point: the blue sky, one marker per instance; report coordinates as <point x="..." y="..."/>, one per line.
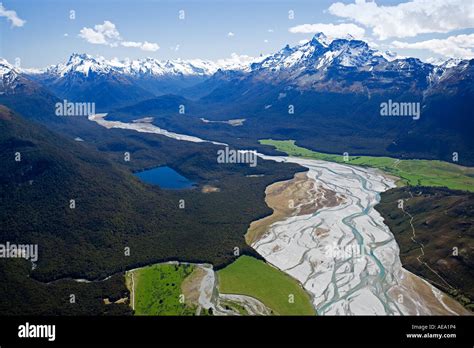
<point x="42" y="33"/>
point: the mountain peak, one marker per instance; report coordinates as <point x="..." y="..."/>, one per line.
<point x="4" y="62"/>
<point x="80" y="56"/>
<point x="325" y="40"/>
<point x="81" y="63"/>
<point x="452" y="62"/>
<point x="320" y="38"/>
<point x="7" y="68"/>
<point x="344" y="42"/>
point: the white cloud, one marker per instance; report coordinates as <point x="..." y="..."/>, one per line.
<point x="270" y="30"/>
<point x="304" y="41"/>
<point x="11" y="16"/>
<point x="144" y="46"/>
<point x="150" y="46"/>
<point x="410" y="18"/>
<point x="460" y="46"/>
<point x="93" y="37"/>
<point x="131" y="44"/>
<point x="107" y="34"/>
<point x="108" y="30"/>
<point x="101" y="34"/>
<point x="230" y="34"/>
<point x="330" y="30"/>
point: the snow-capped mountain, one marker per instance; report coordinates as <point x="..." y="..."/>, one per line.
<point x="22" y="94"/>
<point x="13" y="81"/>
<point x="108" y="82"/>
<point x="86" y="64"/>
<point x="9" y="77"/>
<point x="346" y="64"/>
<point x="88" y="79"/>
<point x="322" y="52"/>
<point x="153" y="67"/>
<point x="451" y="76"/>
<point x="79" y="64"/>
<point x="444" y="69"/>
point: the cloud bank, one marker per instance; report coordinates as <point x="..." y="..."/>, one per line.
<point x="460" y="46"/>
<point x="410" y="18"/>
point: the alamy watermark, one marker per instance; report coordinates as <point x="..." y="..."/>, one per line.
<point x="67" y="108"/>
<point x="351" y="251"/>
<point x="227" y="155"/>
<point x="410" y="109"/>
<point x="25" y="251"/>
<point x="28" y="330"/>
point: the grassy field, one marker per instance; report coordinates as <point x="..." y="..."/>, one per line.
<point x="252" y="277"/>
<point x="157" y="289"/>
<point x="411" y="172"/>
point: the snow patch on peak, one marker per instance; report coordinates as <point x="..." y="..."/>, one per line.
<point x="9" y="76"/>
<point x="5" y="67"/>
<point x="80" y="63"/>
<point x="452" y="62"/>
<point x="322" y="39"/>
<point x="8" y="70"/>
<point x="387" y="55"/>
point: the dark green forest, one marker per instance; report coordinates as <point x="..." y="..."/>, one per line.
<point x="114" y="210"/>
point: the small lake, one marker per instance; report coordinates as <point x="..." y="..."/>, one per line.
<point x="165" y="177"/>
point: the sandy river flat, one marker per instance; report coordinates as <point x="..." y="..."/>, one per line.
<point x="344" y="254"/>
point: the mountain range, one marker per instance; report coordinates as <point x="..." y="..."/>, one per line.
<point x="339" y="65"/>
<point x="333" y="87"/>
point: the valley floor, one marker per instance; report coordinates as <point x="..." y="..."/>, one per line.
<point x="333" y="242"/>
<point x="411" y="172"/>
<point x="345" y="256"/>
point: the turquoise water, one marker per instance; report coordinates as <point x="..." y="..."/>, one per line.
<point x="165" y="177"/>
